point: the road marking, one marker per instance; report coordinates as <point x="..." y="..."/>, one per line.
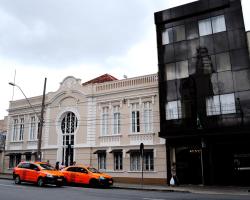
<point x="9" y="185"/>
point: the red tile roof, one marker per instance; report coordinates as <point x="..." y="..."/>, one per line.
<point x="101" y="79"/>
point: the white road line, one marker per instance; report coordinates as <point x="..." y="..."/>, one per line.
<point x="9" y="185"/>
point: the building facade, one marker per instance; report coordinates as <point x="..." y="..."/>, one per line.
<point x="204" y="91"/>
<point x="100" y="123"/>
<point x="3" y="133"/>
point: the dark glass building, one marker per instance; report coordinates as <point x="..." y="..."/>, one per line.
<point x="204" y="87"/>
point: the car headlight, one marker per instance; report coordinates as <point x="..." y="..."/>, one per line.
<point x="49" y="176"/>
<point x="101" y="178"/>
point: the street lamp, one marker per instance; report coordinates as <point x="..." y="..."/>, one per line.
<point x="40" y="126"/>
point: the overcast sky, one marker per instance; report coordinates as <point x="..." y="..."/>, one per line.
<point x="82" y="38"/>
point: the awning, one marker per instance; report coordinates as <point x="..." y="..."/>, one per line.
<point x="12" y="154"/>
<point x="138" y="150"/>
<point x="133" y="151"/>
<point x="27" y="153"/>
<point x="116" y="151"/>
<point x="99" y="151"/>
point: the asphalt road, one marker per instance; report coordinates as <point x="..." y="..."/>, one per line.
<point x="10" y="191"/>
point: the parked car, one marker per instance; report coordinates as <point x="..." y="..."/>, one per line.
<point x="81" y="174"/>
<point x="40" y="173"/>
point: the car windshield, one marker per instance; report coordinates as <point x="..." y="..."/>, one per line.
<point x="93" y="170"/>
<point x="46" y="166"/>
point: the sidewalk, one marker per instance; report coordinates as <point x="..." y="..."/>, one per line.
<point x="226" y="190"/>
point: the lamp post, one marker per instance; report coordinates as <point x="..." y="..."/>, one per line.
<point x="40" y="127"/>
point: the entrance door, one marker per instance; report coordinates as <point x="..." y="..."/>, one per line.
<point x="188" y="165"/>
<point x="68" y="127"/>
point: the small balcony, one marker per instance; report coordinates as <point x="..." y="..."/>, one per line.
<point x="110" y="140"/>
<point x="138" y="138"/>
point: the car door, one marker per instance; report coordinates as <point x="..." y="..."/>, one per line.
<point x="33" y="172"/>
<point x="83" y="175"/>
<point x="24" y="175"/>
<point x="70" y="174"/>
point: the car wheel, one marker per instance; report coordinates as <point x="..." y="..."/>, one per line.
<point x="59" y="184"/>
<point x="17" y="179"/>
<point x="40" y="182"/>
<point x="93" y="183"/>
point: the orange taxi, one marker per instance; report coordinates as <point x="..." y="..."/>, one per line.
<point x="81" y="174"/>
<point x="37" y="172"/>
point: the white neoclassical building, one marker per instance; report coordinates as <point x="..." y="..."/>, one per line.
<point x="100" y="123"/>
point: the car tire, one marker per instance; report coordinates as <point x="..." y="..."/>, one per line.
<point x="17" y="179"/>
<point x="59" y="184"/>
<point x="93" y="183"/>
<point x="40" y="182"/>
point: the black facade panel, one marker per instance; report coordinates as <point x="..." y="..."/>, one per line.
<point x="207" y="42"/>
<point x="237" y="39"/>
<point x="225" y="82"/>
<point x="242" y="80"/>
<point x="169" y="56"/>
<point x="192" y="46"/>
<point x="180" y="51"/>
<point x="192" y="30"/>
<point x="239" y="59"/>
<point x="234" y="20"/>
<point x="171" y="90"/>
<point x="220" y="42"/>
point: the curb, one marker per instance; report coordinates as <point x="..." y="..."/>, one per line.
<point x="150" y="189"/>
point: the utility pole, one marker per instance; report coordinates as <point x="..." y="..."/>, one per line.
<point x="40" y="130"/>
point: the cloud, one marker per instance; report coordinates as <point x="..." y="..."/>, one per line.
<point x="61" y="33"/>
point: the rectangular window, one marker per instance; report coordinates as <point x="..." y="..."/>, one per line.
<point x="116" y="120"/>
<point x="174" y="34"/>
<point x="118" y="161"/>
<point x="167" y="36"/>
<point x="173" y="110"/>
<point x="148" y="160"/>
<point x="147" y="117"/>
<point x="182" y="69"/>
<point x="221" y="104"/>
<point x="205" y="27"/>
<point x="177" y="70"/>
<point x="212" y="25"/>
<point x="21" y="130"/>
<point x="18" y="159"/>
<point x="179" y="33"/>
<point x="135" y="118"/>
<point x="213" y="105"/>
<point x="135" y="161"/>
<point x="218" y="24"/>
<point x="223" y="62"/>
<point x="227" y="103"/>
<point x="28" y="157"/>
<point x="102" y="161"/>
<point x="15" y="130"/>
<point x="12" y="161"/>
<point x="32" y="128"/>
<point x="105" y="121"/>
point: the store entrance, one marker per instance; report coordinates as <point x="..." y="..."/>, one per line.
<point x="188" y="165"/>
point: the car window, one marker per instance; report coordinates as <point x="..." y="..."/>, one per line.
<point x="24" y="165"/>
<point x="71" y="169"/>
<point x="82" y="170"/>
<point x="92" y="169"/>
<point x="46" y="166"/>
<point x="33" y="167"/>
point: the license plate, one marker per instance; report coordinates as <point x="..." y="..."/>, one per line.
<point x="110" y="181"/>
<point x="59" y="179"/>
